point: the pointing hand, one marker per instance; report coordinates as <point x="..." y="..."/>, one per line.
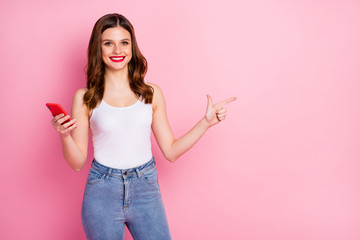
<point x="216" y="112"/>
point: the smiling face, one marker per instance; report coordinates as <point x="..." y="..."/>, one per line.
<point x="116" y="48"/>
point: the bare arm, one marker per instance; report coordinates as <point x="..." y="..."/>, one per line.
<point x="173" y="148"/>
<point x="74" y="145"/>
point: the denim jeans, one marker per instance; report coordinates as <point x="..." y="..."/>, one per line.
<point x="115" y="197"/>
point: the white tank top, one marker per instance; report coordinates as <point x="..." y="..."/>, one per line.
<point x="121" y="135"/>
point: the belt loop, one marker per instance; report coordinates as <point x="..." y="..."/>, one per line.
<point x="108" y="174"/>
<point x="138" y="173"/>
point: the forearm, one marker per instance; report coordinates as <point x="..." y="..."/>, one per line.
<point x="184" y="143"/>
<point x="72" y="154"/>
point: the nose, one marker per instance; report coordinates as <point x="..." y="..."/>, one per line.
<point x="117" y="49"/>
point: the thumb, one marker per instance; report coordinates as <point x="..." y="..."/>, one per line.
<point x="209" y="101"/>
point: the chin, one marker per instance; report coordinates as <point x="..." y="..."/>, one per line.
<point x="118" y="68"/>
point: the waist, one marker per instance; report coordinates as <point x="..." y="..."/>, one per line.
<point x="120" y="172"/>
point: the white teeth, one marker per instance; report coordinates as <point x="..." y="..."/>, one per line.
<point x="117" y="58"/>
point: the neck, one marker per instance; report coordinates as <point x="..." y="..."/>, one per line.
<point x="117" y="79"/>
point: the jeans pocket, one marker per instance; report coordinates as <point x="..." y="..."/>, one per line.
<point x="95" y="177"/>
<point x="150" y="176"/>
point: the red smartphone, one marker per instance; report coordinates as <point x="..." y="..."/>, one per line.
<point x="57" y="109"/>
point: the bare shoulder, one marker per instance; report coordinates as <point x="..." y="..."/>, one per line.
<point x="154" y="86"/>
<point x="79" y="95"/>
<point x="80" y="92"/>
<point x="158" y="97"/>
<point x="78" y="103"/>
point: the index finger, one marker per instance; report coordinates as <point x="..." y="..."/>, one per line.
<point x="57" y="117"/>
<point x="226" y="101"/>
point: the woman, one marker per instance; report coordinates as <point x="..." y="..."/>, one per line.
<point x="121" y="109"/>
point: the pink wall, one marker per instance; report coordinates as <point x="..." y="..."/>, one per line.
<point x="283" y="165"/>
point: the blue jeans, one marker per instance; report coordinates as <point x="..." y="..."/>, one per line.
<point x="115" y="197"/>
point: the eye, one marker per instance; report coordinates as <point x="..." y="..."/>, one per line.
<point x="125" y="43"/>
<point x="107" y="43"/>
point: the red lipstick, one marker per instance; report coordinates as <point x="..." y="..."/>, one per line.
<point x="117" y="58"/>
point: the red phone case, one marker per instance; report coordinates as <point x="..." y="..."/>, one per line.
<point x="57" y="109"/>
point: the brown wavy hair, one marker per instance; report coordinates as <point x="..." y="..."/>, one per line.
<point x="95" y="68"/>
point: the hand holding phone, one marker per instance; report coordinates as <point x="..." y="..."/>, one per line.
<point x="63" y="124"/>
<point x="57" y="109"/>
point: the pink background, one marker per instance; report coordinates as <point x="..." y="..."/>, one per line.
<point x="283" y="165"/>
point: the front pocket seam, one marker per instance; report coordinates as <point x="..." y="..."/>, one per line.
<point x="151" y="182"/>
<point x="98" y="180"/>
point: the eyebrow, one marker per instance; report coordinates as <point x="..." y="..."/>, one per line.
<point x="111" y="40"/>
